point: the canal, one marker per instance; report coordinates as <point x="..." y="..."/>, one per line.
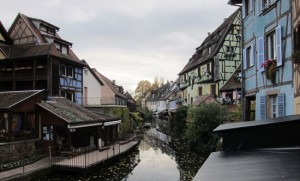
<point x="157" y="157"/>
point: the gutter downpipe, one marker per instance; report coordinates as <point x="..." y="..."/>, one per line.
<point x="242" y="63"/>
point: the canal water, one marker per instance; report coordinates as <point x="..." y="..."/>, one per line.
<point x="157" y="158"/>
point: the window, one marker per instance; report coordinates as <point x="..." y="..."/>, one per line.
<point x="209" y="50"/>
<point x="62" y="70"/>
<point x="267" y="3"/>
<point x="247" y="7"/>
<point x="67" y="94"/>
<point x="204" y="69"/>
<point x="263" y="5"/>
<point x="47" y="30"/>
<point x="70" y="71"/>
<point x="230" y="49"/>
<point x="62" y="48"/>
<point x="200" y="91"/>
<point x="248" y="57"/>
<point x="273" y="106"/>
<point x="271" y="46"/>
<point x="199" y="72"/>
<point x="213" y="90"/>
<point x="70" y="96"/>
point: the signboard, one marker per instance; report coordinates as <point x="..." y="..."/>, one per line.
<point x="48" y="133"/>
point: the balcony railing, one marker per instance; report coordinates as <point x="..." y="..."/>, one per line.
<point x="29" y="73"/>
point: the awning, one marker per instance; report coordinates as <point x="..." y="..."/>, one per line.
<point x="108" y="123"/>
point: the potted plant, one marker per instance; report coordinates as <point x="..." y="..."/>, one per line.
<point x="296" y="57"/>
<point x="270" y="69"/>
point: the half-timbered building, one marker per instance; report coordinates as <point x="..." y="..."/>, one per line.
<point x="267" y="50"/>
<point x="40" y="59"/>
<point x="214" y="61"/>
<point x="296" y="54"/>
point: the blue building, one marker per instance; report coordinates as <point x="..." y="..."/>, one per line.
<point x="267" y="66"/>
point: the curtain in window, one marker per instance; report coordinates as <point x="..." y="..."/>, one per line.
<point x="17" y="122"/>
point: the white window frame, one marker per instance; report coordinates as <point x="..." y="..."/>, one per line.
<point x="248" y="51"/>
<point x="273" y="106"/>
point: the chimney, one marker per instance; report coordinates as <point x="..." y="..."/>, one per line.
<point x="113" y="82"/>
<point x="208" y="33"/>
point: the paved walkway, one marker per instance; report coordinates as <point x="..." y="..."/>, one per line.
<point x="79" y="161"/>
<point x="93" y="157"/>
<point x="27" y="169"/>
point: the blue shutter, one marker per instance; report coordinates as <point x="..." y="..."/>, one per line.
<point x="244" y="59"/>
<point x="260" y="54"/>
<point x="259" y="7"/>
<point x="243" y="9"/>
<point x="263" y="108"/>
<point x="278" y="46"/>
<point x="280" y="101"/>
<point x="252" y="56"/>
<point x="251" y="5"/>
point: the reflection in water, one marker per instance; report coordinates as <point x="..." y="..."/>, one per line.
<point x="188" y="162"/>
<point x="118" y="171"/>
<point x="156" y="158"/>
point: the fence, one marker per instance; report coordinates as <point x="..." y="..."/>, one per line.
<point x="85" y="158"/>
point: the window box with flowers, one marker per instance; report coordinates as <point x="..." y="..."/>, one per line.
<point x="270" y="69"/>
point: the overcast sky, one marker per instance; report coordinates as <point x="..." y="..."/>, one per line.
<point x="128" y="40"/>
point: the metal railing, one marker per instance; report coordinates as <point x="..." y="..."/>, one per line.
<point x="86" y="158"/>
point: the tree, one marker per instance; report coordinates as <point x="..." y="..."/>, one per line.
<point x="142" y="88"/>
<point x="203" y="120"/>
<point x="158" y="82"/>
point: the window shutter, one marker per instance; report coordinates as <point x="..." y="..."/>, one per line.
<point x="243" y="9"/>
<point x="252" y="55"/>
<point x="263" y="110"/>
<point x="251" y="5"/>
<point x="281" y="100"/>
<point x="278" y="46"/>
<point x="244" y="59"/>
<point x="260" y="55"/>
<point x="259" y="7"/>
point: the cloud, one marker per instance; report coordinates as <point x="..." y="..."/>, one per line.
<point x="129" y="40"/>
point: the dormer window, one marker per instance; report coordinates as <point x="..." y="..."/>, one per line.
<point x="47" y="30"/>
<point x="209" y="50"/>
<point x="62" y="48"/>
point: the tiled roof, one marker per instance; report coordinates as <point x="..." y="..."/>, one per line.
<point x="213" y="40"/>
<point x="29" y="50"/>
<point x="28" y="20"/>
<point x="110" y="84"/>
<point x="11" y="98"/>
<point x="129" y="98"/>
<point x="232" y="83"/>
<point x="5" y="35"/>
<point x="71" y="112"/>
<point x="204" y="99"/>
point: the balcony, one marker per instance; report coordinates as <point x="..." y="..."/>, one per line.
<point x="22" y="74"/>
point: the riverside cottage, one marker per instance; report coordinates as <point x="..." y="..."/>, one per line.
<point x="30" y="122"/>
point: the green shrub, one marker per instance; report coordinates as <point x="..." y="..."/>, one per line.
<point x="202" y="120"/>
<point x="178" y="123"/>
